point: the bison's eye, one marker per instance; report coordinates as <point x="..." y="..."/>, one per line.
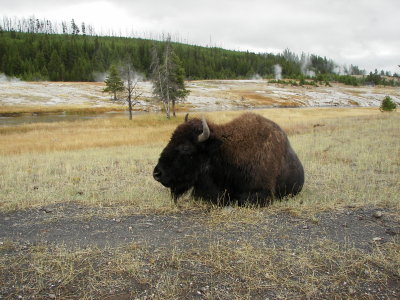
<point x="186" y="149"/>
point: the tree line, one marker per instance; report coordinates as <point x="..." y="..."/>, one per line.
<point x="38" y="52"/>
<point x="36" y="25"/>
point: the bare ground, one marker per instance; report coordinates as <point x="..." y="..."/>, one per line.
<point x="79" y="226"/>
<point x="186" y="246"/>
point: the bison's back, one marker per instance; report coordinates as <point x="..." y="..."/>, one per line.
<point x="252" y="139"/>
<point x="260" y="149"/>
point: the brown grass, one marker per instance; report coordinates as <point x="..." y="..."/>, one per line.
<point x="16" y="110"/>
<point x="110" y="161"/>
<point x="144" y="129"/>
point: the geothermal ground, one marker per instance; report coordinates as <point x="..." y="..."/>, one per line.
<point x="206" y="95"/>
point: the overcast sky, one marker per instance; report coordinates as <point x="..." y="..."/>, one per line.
<point x="361" y="32"/>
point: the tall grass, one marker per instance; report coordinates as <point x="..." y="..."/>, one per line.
<point x="17" y="110"/>
<point x="348" y="160"/>
<point x="143" y="130"/>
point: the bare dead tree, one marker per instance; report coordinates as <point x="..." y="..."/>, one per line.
<point x="131" y="86"/>
<point x="158" y="79"/>
<point x="168" y="78"/>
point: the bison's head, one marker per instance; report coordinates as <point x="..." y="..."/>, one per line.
<point x="186" y="157"/>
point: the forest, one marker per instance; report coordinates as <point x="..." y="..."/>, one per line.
<point x="39" y="52"/>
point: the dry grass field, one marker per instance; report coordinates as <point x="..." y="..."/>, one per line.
<point x="96" y="175"/>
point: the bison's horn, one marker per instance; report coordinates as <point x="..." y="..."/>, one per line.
<point x="206" y="131"/>
<point x="186" y="117"/>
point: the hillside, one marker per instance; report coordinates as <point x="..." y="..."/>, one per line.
<point x="71" y="57"/>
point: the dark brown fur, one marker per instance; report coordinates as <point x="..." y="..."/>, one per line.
<point x="247" y="160"/>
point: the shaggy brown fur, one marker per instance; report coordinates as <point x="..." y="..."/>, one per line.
<point x="247" y="160"/>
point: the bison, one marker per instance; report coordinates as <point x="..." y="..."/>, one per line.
<point x="248" y="160"/>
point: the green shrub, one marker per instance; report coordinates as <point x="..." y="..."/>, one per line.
<point x="387" y="104"/>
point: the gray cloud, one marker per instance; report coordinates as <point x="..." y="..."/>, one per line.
<point x="360" y="32"/>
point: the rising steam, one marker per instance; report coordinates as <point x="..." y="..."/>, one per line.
<point x="278" y="72"/>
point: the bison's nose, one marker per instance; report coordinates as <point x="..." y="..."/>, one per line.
<point x="157" y="174"/>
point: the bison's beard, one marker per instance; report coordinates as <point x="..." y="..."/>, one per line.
<point x="185" y="183"/>
<point x="178" y="190"/>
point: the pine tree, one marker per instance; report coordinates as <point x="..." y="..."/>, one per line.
<point x="387" y="104"/>
<point x="55" y="67"/>
<point x="177" y="91"/>
<point x="113" y="82"/>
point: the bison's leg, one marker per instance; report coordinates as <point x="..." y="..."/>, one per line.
<point x="257" y="197"/>
<point x="207" y="190"/>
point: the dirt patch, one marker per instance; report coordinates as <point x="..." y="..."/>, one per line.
<point x="81" y="226"/>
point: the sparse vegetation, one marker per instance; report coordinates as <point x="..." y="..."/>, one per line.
<point x="217" y="271"/>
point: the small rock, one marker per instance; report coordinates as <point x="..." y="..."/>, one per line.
<point x="378" y="214"/>
<point x="52" y="296"/>
<point x="306" y="227"/>
<point x="377" y="239"/>
<point x="46" y="210"/>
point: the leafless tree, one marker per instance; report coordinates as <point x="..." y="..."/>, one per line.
<point x="168" y="78"/>
<point x="131" y="86"/>
<point x="159" y="80"/>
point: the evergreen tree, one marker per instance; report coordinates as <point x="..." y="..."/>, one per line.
<point x="113" y="82"/>
<point x="387" y="104"/>
<point x="177" y="91"/>
<point x="55" y="67"/>
<point x="24" y="54"/>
